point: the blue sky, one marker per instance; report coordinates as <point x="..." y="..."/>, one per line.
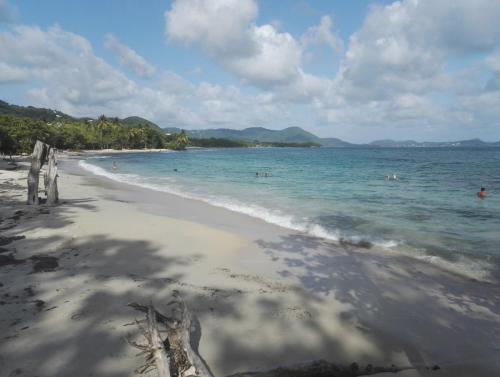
<point x="358" y="70"/>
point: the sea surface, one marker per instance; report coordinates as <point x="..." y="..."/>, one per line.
<point x="430" y="212"/>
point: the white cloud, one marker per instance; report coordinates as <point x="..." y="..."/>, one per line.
<point x="395" y="73"/>
<point x="70" y="77"/>
<point x="322" y="35"/>
<point x="128" y="57"/>
<point x="11" y="74"/>
<point x="221" y="27"/>
<point x="226" y="32"/>
<point x="65" y="63"/>
<point x="275" y="61"/>
<point x="405" y="46"/>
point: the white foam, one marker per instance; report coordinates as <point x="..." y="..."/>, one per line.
<point x="473" y="269"/>
<point x="274" y="217"/>
<point x="463" y="266"/>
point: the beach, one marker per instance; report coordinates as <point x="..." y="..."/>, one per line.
<point x="264" y="295"/>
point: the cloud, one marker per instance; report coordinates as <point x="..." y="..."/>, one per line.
<point x="11" y="74"/>
<point x="226" y="31"/>
<point x="65" y="63"/>
<point x="66" y="74"/>
<point x="221" y="27"/>
<point x="395" y="72"/>
<point x="406" y="45"/>
<point x="128" y="57"/>
<point x="322" y="35"/>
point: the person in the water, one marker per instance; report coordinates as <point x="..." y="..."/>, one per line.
<point x="482" y="193"/>
<point x="114" y="166"/>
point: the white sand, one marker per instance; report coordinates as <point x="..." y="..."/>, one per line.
<point x="264" y="295"/>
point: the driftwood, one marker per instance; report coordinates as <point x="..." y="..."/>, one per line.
<point x="37" y="160"/>
<point x="156" y="355"/>
<point x="51" y="178"/>
<point x="184" y="361"/>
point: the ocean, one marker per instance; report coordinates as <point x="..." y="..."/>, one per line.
<point x="431" y="212"/>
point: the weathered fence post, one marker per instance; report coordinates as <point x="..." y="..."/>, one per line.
<point x="37" y="159"/>
<point x="51" y="178"/>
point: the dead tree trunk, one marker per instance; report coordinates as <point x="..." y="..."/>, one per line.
<point x="37" y="160"/>
<point x="185" y="362"/>
<point x="159" y="355"/>
<point x="51" y="178"/>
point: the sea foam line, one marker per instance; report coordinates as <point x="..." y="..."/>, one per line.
<point x="463" y="266"/>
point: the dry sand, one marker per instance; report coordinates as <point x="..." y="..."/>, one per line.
<point x="264" y="295"/>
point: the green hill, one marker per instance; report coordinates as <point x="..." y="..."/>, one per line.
<point x="49" y="115"/>
<point x="135" y="121"/>
<point x="46" y="115"/>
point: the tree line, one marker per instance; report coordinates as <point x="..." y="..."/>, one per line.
<point x="18" y="135"/>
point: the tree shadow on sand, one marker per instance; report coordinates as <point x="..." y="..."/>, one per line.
<point x="430" y="315"/>
<point x="63" y="301"/>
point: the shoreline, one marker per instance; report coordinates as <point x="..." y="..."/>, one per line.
<point x="463" y="266"/>
<point x="264" y="295"/>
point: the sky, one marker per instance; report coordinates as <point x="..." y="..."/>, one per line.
<point x="357" y="70"/>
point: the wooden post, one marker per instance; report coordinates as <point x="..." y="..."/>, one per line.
<point x="51" y="181"/>
<point x="37" y="159"/>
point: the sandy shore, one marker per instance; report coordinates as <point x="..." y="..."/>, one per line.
<point x="264" y="295"/>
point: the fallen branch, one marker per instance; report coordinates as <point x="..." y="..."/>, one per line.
<point x="156" y="355"/>
<point x="185" y="362"/>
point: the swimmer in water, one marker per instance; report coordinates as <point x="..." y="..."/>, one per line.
<point x="482" y="194"/>
<point x="114" y="166"/>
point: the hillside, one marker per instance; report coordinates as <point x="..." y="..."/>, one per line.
<point x="135" y="121"/>
<point x="47" y="115"/>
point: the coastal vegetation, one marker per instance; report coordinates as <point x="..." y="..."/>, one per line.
<point x="19" y="134"/>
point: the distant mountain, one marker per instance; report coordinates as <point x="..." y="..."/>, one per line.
<point x="136" y="121"/>
<point x="472" y="143"/>
<point x="333" y="142"/>
<point x="288" y="135"/>
<point x="252" y="134"/>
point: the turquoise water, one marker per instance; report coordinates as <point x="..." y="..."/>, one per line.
<point x="431" y="212"/>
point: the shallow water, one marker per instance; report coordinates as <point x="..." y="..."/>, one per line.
<point x="431" y="212"/>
